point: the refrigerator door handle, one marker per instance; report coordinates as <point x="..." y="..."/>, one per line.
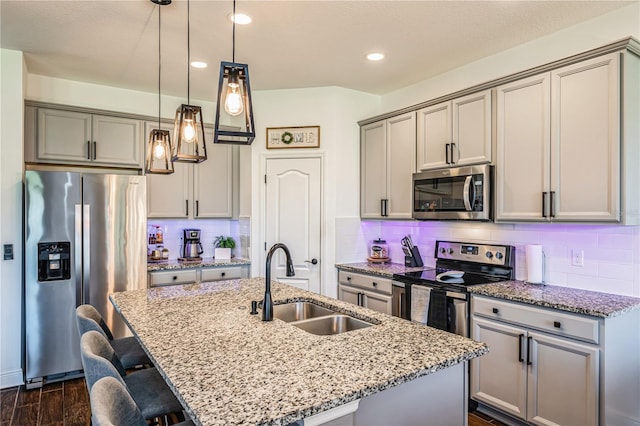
<point x="86" y="251"/>
<point x="77" y="248"/>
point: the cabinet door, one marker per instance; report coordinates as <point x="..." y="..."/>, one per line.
<point x="378" y="302"/>
<point x="401" y="164"/>
<point x="563" y="382"/>
<point x="63" y="136"/>
<point x="585" y="140"/>
<point x="117" y="141"/>
<point x="373" y="173"/>
<point x="499" y="378"/>
<point x="522" y="160"/>
<point x="349" y="294"/>
<point x="213" y="182"/>
<point x="168" y="196"/>
<point x="472" y="129"/>
<point x="434" y="133"/>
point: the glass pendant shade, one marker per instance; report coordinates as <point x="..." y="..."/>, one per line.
<point x="159" y="152"/>
<point x="234" y="109"/>
<point x="189" y="135"/>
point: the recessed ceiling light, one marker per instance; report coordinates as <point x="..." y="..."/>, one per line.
<point x="198" y="64"/>
<point x="375" y="56"/>
<point x="240" y="18"/>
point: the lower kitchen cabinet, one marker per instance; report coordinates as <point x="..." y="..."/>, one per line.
<point x="551" y="367"/>
<point x="369" y="291"/>
<point x="196" y="275"/>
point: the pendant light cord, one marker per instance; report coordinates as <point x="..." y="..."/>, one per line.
<point x="188" y="52"/>
<point x="233" y="40"/>
<point x="159" y="64"/>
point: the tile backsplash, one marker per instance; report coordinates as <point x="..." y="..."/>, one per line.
<point x="210" y="229"/>
<point x="611" y="252"/>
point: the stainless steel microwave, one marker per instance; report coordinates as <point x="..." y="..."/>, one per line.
<point x="459" y="193"/>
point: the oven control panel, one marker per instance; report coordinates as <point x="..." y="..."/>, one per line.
<point x="473" y="252"/>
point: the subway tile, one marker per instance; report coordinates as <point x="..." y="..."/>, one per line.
<point x="617" y="271"/>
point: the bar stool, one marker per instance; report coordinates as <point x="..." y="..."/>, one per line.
<point x="147" y="388"/>
<point x="128" y="349"/>
<point x="112" y="404"/>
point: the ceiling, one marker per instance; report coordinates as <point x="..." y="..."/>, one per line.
<point x="290" y="44"/>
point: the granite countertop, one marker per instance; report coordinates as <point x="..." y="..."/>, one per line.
<point x="380" y="269"/>
<point x="204" y="263"/>
<point x="582" y="302"/>
<point x="228" y="367"/>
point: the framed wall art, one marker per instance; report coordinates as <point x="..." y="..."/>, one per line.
<point x="293" y="137"/>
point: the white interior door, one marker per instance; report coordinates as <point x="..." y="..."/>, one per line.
<point x="293" y="209"/>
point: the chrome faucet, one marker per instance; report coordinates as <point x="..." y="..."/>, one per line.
<point x="267" y="303"/>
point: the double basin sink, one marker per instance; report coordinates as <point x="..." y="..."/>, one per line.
<point x="317" y="319"/>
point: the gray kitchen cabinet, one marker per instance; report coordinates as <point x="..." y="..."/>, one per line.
<point x="193" y="191"/>
<point x="559" y="145"/>
<point x="196" y="275"/>
<point x="369" y="291"/>
<point x="78" y="138"/>
<point x="387" y="162"/>
<point x="455" y="133"/>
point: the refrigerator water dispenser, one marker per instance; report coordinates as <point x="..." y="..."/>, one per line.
<point x="54" y="261"/>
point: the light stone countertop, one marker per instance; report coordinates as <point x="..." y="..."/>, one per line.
<point x="228" y="367"/>
<point x="385" y="270"/>
<point x="204" y="263"/>
<point x="573" y="300"/>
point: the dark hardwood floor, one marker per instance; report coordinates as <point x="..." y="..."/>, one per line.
<point x="67" y="404"/>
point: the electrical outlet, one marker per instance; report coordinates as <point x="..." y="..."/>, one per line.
<point x="577" y="257"/>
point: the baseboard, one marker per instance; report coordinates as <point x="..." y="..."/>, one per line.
<point x="9" y="379"/>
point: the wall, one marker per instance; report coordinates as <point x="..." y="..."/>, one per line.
<point x="12" y="72"/>
<point x="209" y="230"/>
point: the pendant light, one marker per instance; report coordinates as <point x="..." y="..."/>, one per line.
<point x="158" y="158"/>
<point x="188" y="130"/>
<point x="234" y="109"/>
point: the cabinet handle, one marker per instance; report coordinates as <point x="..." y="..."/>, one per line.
<point x="557" y="324"/>
<point x="197" y="207"/>
<point x="348" y="278"/>
<point x="223" y="274"/>
<point x="359" y="294"/>
<point x="88" y="150"/>
<point x="375" y="284"/>
<point x="544" y="204"/>
<point x="529" y="339"/>
<point x="382" y="207"/>
<point x="95" y="149"/>
<point x="174" y="277"/>
<point x="453" y="145"/>
<point x="446" y="153"/>
<point x="386" y="207"/>
<point x="552" y="197"/>
<point x="520" y="337"/>
<point x="495" y="310"/>
<point x="186" y="204"/>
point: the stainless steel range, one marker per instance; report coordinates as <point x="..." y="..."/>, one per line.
<point x="439" y="297"/>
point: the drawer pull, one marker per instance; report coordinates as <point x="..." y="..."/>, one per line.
<point x="557" y="324"/>
<point x="348" y="278"/>
<point x="174" y="277"/>
<point x="495" y="310"/>
<point x="375" y="284"/>
<point x="223" y="274"/>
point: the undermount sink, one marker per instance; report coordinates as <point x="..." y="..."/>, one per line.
<point x="316" y="319"/>
<point x="332" y="324"/>
<point x="298" y="311"/>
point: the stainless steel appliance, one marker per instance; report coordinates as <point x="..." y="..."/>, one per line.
<point x="439" y="297"/>
<point x="85" y="237"/>
<point x="191" y="246"/>
<point x="462" y="193"/>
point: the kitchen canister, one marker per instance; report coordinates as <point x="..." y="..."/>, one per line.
<point x="378" y="249"/>
<point x="535" y="263"/>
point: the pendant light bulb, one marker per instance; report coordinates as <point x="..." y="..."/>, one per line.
<point x="188" y="131"/>
<point x="158" y="149"/>
<point x="233" y="103"/>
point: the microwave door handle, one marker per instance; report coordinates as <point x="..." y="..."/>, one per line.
<point x="466" y="192"/>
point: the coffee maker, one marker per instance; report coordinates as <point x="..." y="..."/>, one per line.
<point x="191" y="247"/>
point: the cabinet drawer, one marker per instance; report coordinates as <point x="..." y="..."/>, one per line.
<point x="173" y="277"/>
<point x="217" y="274"/>
<point x="551" y="321"/>
<point x="370" y="282"/>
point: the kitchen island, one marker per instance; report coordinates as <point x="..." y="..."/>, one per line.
<point x="229" y="367"/>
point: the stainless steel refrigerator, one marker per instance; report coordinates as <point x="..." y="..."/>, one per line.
<point x="85" y="237"/>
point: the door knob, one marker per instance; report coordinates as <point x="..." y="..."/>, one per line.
<point x="313" y="261"/>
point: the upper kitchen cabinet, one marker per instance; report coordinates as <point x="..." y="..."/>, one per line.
<point x="387" y="162"/>
<point x="71" y="137"/>
<point x="559" y="144"/>
<point x="195" y="191"/>
<point x="455" y="133"/>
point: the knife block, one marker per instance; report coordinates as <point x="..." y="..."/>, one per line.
<point x="415" y="260"/>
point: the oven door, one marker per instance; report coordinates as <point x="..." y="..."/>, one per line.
<point x="438" y="308"/>
<point x="456" y="193"/>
